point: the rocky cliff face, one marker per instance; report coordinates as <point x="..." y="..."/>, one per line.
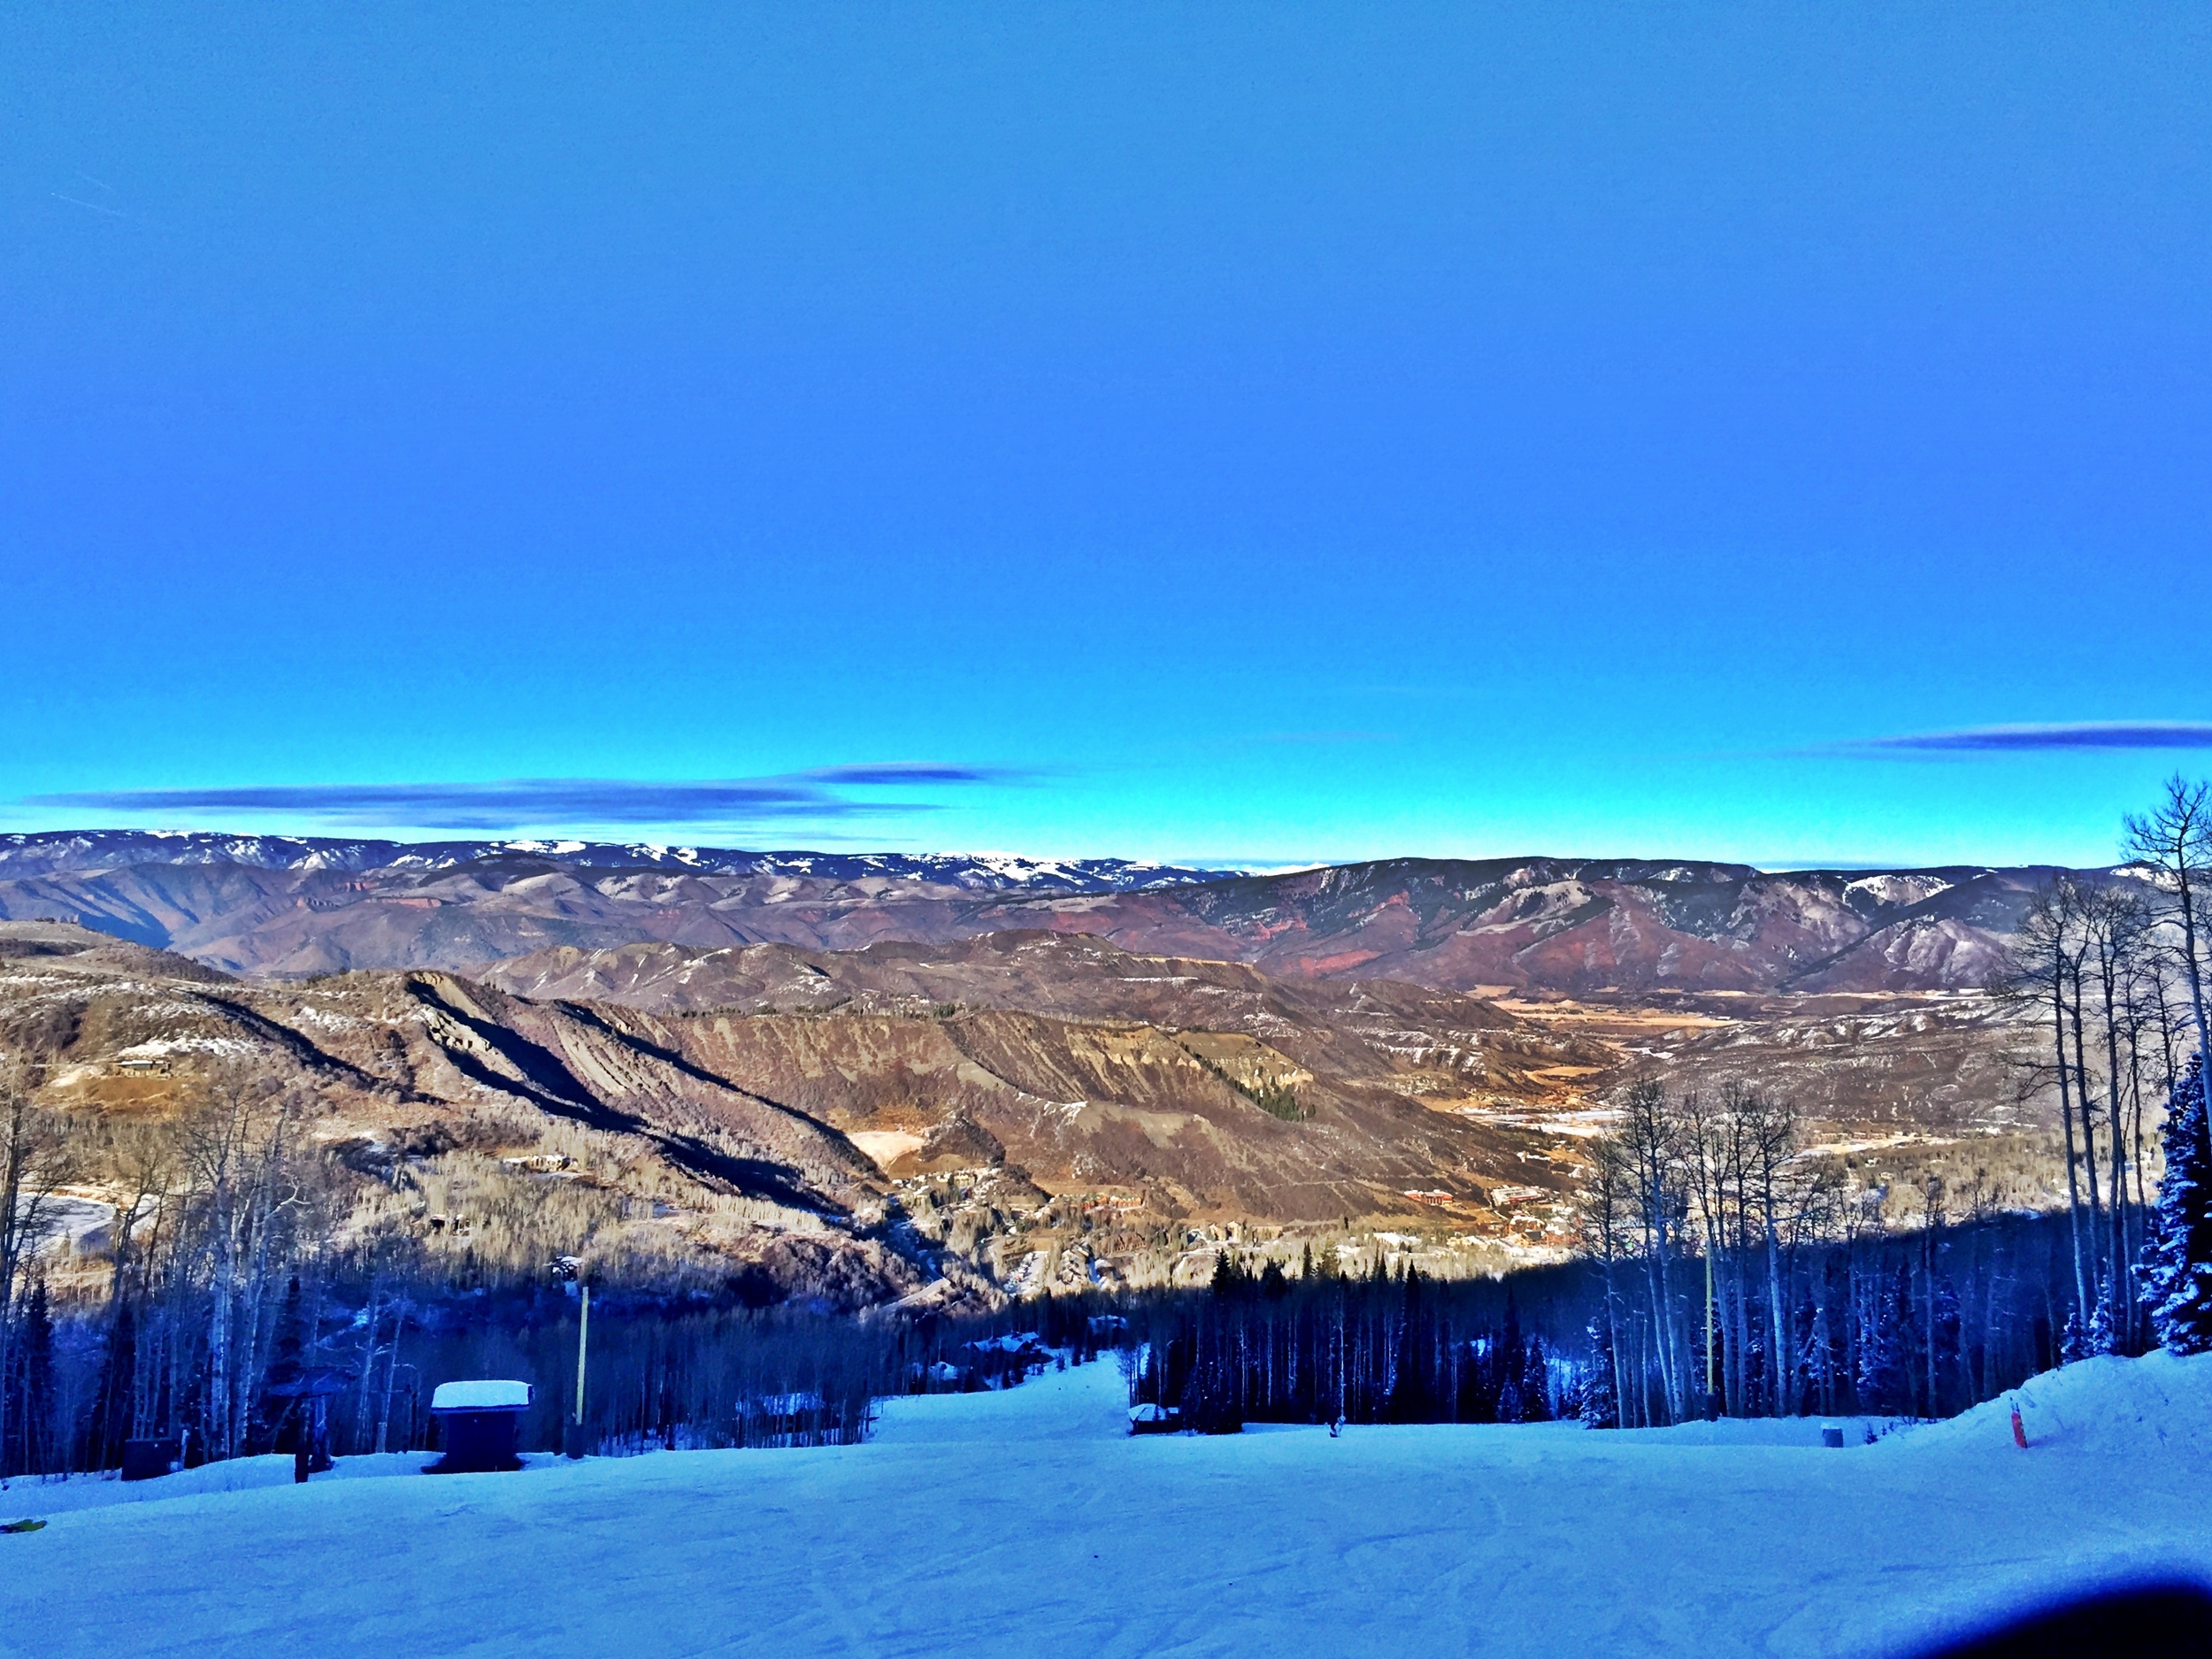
<point x="477" y="1126"/>
<point x="924" y="1126"/>
<point x="1198" y="1086"/>
<point x="1929" y="1073"/>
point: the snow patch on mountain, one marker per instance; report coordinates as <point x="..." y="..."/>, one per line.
<point x="1899" y="889"/>
<point x="26" y="855"/>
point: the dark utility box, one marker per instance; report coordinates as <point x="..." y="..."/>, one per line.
<point x="479" y="1424"/>
<point x="477" y="1442"/>
<point x="149" y="1460"/>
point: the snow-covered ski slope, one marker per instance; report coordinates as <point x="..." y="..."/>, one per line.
<point x="1027" y="1523"/>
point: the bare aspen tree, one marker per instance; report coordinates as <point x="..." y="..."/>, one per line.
<point x="2174" y="842"/>
<point x="34" y="1161"/>
<point x="1704" y="1156"/>
<point x="2119" y="927"/>
<point x="2044" y="970"/>
<point x="2143" y="1012"/>
<point x="234" y="1148"/>
<point x="1773" y="1140"/>
<point x="2084" y="907"/>
<point x="1652" y="1140"/>
<point x="1606" y="1204"/>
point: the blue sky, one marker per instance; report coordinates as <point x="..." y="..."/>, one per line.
<point x="1236" y="433"/>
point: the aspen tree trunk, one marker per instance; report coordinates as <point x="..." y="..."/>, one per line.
<point x="1719" y="1378"/>
<point x="253" y="1356"/>
<point x="1613" y="1340"/>
<point x="368" y="1361"/>
<point x="2082" y="1101"/>
<point x="2066" y="1118"/>
<point x="1656" y="1264"/>
<point x="13" y="1157"/>
<point x="2135" y="1113"/>
<point x="1781" y="1370"/>
<point x="2120" y="1256"/>
<point x="1930" y="1237"/>
<point x="218" y="1331"/>
<point x="172" y="1395"/>
<point x="1739" y="1333"/>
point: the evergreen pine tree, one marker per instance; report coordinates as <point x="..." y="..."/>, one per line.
<point x="2099" y="1337"/>
<point x="1409" y="1401"/>
<point x="1510" y="1401"/>
<point x="35" y="1407"/>
<point x="2174" y="1275"/>
<point x="2074" y="1345"/>
<point x="1478" y="1382"/>
<point x="1952" y="1385"/>
<point x="1535" y="1385"/>
<point x="1571" y="1394"/>
<point x="1599" y="1407"/>
<point x="112" y="1426"/>
<point x="1885" y="1362"/>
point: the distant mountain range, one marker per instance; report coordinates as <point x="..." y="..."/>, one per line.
<point x="291" y="908"/>
<point x="81" y="851"/>
<point x="1578" y="926"/>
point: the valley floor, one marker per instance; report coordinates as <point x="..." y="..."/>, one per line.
<point x="1028" y="1522"/>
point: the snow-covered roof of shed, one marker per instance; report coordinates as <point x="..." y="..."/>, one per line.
<point x="480" y="1396"/>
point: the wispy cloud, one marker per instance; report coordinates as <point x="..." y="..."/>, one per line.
<point x="909" y="772"/>
<point x="2084" y="735"/>
<point x="821" y="796"/>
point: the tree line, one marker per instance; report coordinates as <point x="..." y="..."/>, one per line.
<point x="1737" y="1279"/>
<point x="1909" y="1322"/>
<point x="1732" y="1265"/>
<point x="1725" y="1270"/>
<point x="2115" y="973"/>
<point x="238" y="1296"/>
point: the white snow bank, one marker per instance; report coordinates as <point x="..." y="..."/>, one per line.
<point x="29" y="1495"/>
<point x="1011" y="1523"/>
<point x="1803" y="1432"/>
<point x="38" y="1496"/>
<point x="2159" y="1406"/>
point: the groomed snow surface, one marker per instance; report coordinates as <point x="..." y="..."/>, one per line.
<point x="1028" y="1522"/>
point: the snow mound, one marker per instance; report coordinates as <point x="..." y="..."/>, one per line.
<point x="481" y="1394"/>
<point x="2106" y="1407"/>
<point x="57" y="1494"/>
<point x="1800" y="1431"/>
<point x="1012" y="1522"/>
